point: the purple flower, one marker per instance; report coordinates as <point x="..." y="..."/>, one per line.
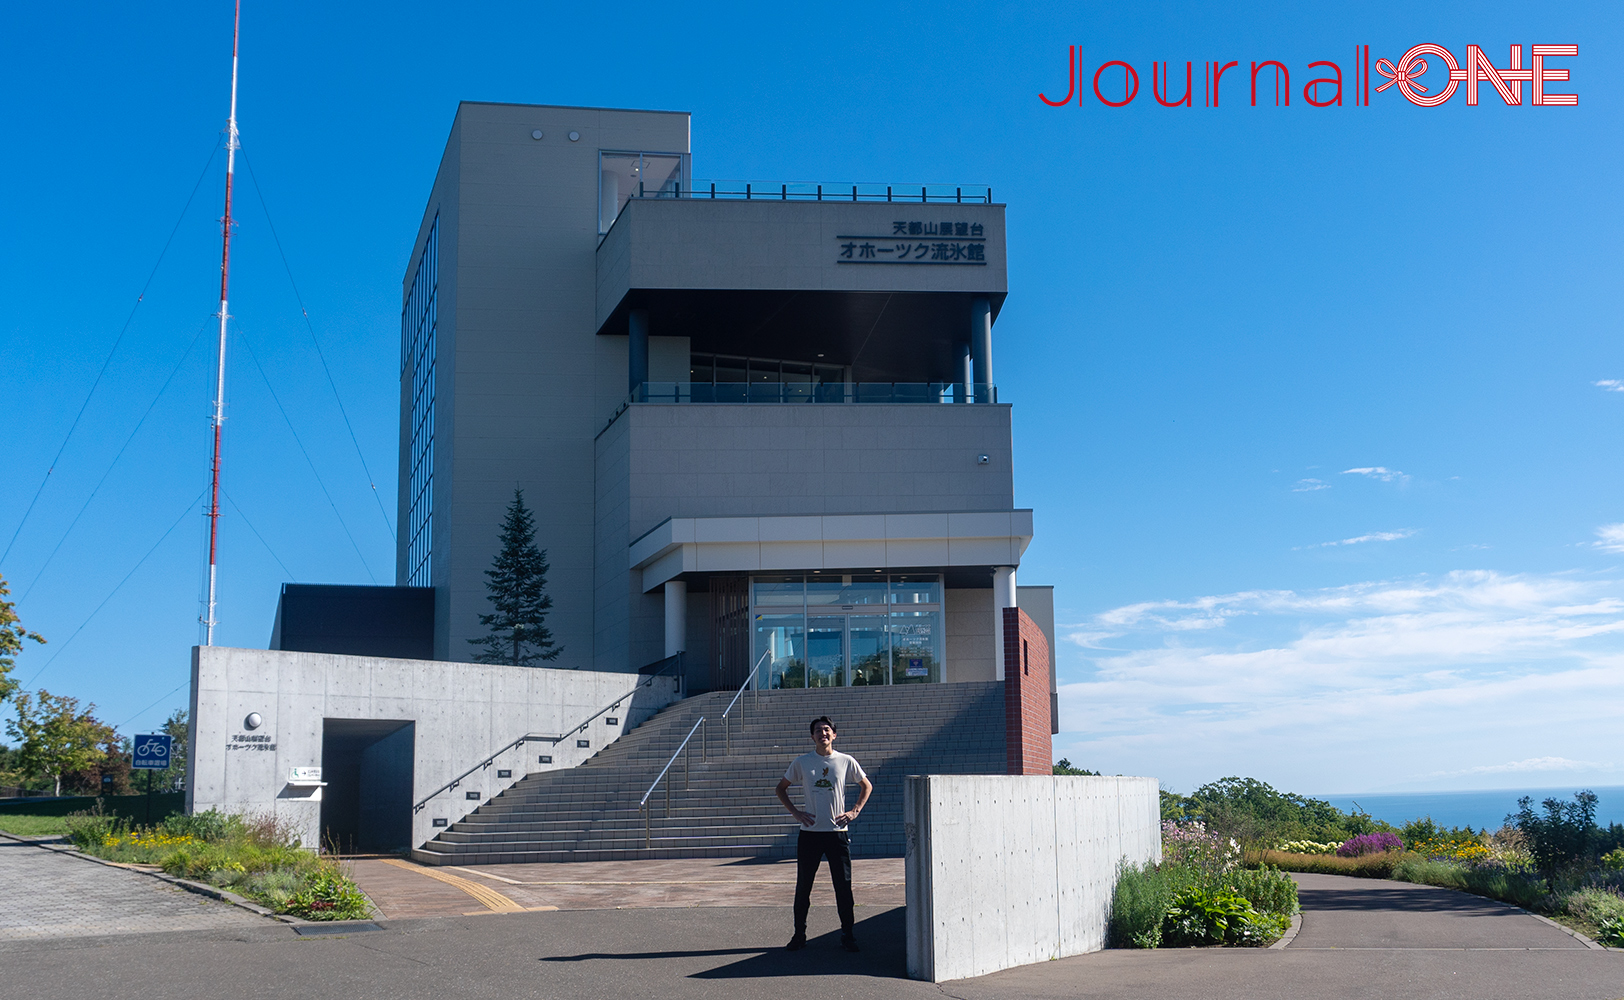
<point x="1370" y="843"/>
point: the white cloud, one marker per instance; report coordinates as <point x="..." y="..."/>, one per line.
<point x="1378" y="472"/>
<point x="1611" y="384"/>
<point x="1309" y="485"/>
<point x="1357" y="687"/>
<point x="1532" y="765"/>
<point x="1374" y="536"/>
<point x="1612" y="538"/>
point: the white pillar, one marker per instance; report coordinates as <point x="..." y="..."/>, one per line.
<point x="1003" y="596"/>
<point x="676" y="617"/>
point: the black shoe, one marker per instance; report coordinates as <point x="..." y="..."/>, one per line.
<point x="849" y="943"/>
<point x="796" y="943"/>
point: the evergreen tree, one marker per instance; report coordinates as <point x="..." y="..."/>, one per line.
<point x="517" y="585"/>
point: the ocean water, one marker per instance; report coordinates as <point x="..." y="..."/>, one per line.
<point x="1474" y="809"/>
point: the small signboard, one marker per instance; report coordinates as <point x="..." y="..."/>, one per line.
<point x="304" y="776"/>
<point x="151" y="752"/>
<point x="917" y="668"/>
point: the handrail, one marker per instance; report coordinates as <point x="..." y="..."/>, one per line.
<point x="680" y="747"/>
<point x="727" y="726"/>
<point x="746" y="684"/>
<point x="537" y="738"/>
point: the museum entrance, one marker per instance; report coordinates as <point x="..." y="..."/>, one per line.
<point x="368" y="766"/>
<point x="847" y="630"/>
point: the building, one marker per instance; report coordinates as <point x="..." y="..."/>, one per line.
<point x="759" y="429"/>
<point x="752" y="421"/>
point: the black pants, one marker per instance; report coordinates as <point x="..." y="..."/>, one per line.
<point x="810" y="851"/>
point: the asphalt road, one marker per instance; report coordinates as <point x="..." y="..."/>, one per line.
<point x="1358" y="939"/>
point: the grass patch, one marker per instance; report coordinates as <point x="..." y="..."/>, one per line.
<point x="30" y="825"/>
<point x="1370" y="866"/>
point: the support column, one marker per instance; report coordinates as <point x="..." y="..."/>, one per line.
<point x="1003" y="596"/>
<point x="676" y="617"/>
<point x="637" y="349"/>
<point x="966" y="372"/>
<point x="981" y="346"/>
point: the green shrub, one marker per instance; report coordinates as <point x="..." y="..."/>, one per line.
<point x="1613" y="861"/>
<point x="1203" y="917"/>
<point x="328" y="894"/>
<point x="89" y="830"/>
<point x="1138" y="903"/>
<point x="1268" y="889"/>
<point x="1564" y="837"/>
<point x="1506" y="886"/>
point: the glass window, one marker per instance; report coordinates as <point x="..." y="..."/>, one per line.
<point x="783" y="639"/>
<point x="916" y="647"/>
<point x="916" y="590"/>
<point x="826" y="651"/>
<point x="763" y="371"/>
<point x="731" y="370"/>
<point x="779" y="591"/>
<point x="701" y="368"/>
<point x="823" y="591"/>
<point x="623" y="176"/>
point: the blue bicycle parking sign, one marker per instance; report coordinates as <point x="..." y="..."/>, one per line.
<point x="151" y="752"/>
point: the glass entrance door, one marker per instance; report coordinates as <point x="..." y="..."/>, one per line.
<point x="826" y="651"/>
<point x="869" y="653"/>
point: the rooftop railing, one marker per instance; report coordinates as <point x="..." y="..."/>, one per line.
<point x="930" y="194"/>
<point x="810" y="392"/>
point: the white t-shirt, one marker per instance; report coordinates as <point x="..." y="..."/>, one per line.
<point x="823" y="785"/>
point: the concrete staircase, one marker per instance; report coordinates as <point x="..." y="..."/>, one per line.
<point x="725" y="807"/>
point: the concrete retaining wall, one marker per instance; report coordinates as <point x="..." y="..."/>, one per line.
<point x="1007" y="871"/>
<point x="462" y="712"/>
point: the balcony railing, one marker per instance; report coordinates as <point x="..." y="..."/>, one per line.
<point x="931" y="194"/>
<point x="809" y="392"/>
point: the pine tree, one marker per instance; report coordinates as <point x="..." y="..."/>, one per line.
<point x="517" y="585"/>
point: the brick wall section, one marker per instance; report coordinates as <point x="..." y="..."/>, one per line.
<point x="1028" y="746"/>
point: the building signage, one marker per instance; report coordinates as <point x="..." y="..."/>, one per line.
<point x="918" y="241"/>
<point x="151" y="752"/>
<point x="917" y="668"/>
<point x="251" y="741"/>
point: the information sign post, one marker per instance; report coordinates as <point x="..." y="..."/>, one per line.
<point x="151" y="754"/>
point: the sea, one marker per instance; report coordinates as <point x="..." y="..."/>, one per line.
<point x="1479" y="810"/>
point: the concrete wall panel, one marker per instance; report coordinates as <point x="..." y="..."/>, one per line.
<point x="463" y="712"/>
<point x="1011" y="870"/>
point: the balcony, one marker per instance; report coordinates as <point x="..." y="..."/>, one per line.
<point x="808" y="392"/>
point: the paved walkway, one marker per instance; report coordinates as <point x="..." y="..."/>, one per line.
<point x="44" y="894"/>
<point x="401" y="889"/>
<point x="1374" y="914"/>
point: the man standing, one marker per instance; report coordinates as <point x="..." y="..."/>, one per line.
<point x="822" y="775"/>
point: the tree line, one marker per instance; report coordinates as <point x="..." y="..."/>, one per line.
<point x="60" y="744"/>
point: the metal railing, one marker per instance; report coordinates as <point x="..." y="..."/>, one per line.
<point x="648" y="823"/>
<point x="810" y="392"/>
<point x="725" y="190"/>
<point x="749" y="681"/>
<point x="553" y="738"/>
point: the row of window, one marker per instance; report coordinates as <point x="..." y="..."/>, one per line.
<point x="723" y="368"/>
<point x="418" y="324"/>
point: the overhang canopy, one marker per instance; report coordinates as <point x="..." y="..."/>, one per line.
<point x="830" y="541"/>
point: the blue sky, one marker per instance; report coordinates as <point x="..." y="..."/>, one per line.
<point x="1318" y="408"/>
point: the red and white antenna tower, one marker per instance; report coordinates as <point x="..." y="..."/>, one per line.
<point x="220" y="373"/>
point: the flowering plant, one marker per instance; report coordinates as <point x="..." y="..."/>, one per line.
<point x="1308" y="847"/>
<point x="1189" y="843"/>
<point x="1369" y="843"/>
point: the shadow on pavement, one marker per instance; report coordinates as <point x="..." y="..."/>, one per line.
<point x="1415" y="900"/>
<point x="884" y="954"/>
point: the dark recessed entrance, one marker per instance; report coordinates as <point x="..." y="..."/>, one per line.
<point x="367" y="804"/>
